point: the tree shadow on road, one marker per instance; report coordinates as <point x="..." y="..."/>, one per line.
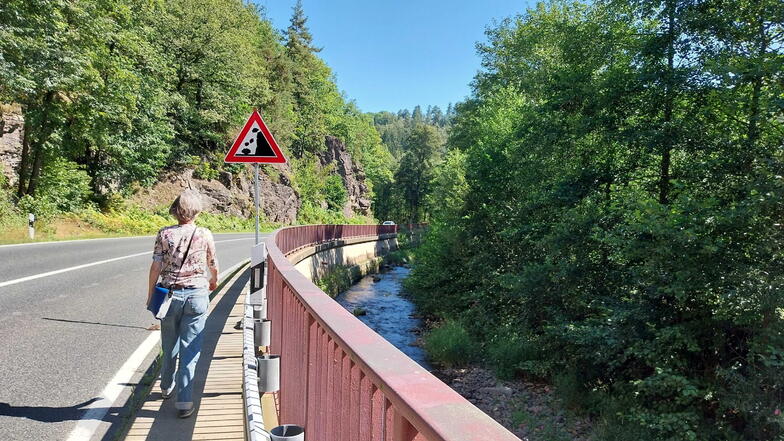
<point x="93" y="323"/>
<point x="46" y="414"/>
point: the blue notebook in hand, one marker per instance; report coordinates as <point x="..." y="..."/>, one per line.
<point x="159" y="297"/>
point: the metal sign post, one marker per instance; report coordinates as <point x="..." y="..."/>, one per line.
<point x="255" y="144"/>
<point x="256" y="198"/>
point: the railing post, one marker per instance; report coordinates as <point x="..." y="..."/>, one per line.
<point x="402" y="430"/>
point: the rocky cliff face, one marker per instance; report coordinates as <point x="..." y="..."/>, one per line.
<point x="229" y="194"/>
<point x="11" y="132"/>
<point x="352" y="174"/>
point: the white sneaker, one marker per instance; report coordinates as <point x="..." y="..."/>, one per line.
<point x="166" y="394"/>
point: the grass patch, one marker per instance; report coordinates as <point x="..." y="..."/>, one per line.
<point x="133" y="220"/>
<point x="450" y="344"/>
<point x="399" y="257"/>
<point x="128" y="221"/>
<point x="541" y="427"/>
<point x="338" y="279"/>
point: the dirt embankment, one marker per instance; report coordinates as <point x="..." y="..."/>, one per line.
<point x="532" y="411"/>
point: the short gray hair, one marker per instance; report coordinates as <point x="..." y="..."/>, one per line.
<point x="187" y="206"/>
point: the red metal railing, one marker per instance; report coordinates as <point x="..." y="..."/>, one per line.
<point x="342" y="381"/>
<point x="293" y="238"/>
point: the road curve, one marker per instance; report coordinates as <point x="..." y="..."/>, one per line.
<point x="63" y="336"/>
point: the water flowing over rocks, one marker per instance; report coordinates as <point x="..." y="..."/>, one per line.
<point x="531" y="410"/>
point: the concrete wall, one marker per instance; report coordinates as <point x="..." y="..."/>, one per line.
<point x="314" y="262"/>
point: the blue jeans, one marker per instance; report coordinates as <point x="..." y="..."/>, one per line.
<point x="181" y="333"/>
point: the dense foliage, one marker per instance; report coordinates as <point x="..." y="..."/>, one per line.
<point x="611" y="213"/>
<point x="115" y="91"/>
<point x="416" y="141"/>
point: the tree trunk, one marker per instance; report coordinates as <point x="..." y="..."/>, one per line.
<point x="36" y="172"/>
<point x="37" y="143"/>
<point x="93" y="165"/>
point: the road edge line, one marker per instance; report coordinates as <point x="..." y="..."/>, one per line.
<point x="51" y="242"/>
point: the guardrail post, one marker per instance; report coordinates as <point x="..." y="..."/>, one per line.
<point x="31" y="225"/>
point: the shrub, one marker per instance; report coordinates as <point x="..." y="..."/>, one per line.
<point x="64" y="185"/>
<point x="335" y="193"/>
<point x="450" y="344"/>
<point x="42" y="207"/>
<point x="336" y="280"/>
<point x="509" y="354"/>
<point x="9" y="215"/>
<point x="399" y="257"/>
<point x="206" y="170"/>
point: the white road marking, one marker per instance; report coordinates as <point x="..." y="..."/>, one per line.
<point x="96" y="411"/>
<point x="93" y="417"/>
<point x="86" y="265"/>
<point x="64" y="270"/>
<point x="57" y="242"/>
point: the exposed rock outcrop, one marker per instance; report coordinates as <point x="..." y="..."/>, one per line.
<point x="229" y="194"/>
<point x="11" y="132"/>
<point x="352" y="174"/>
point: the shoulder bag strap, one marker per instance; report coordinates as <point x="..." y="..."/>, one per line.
<point x="184" y="257"/>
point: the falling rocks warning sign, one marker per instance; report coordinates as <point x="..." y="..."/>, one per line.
<point x="255" y="143"/>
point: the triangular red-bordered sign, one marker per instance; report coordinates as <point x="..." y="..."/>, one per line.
<point x="255" y="143"/>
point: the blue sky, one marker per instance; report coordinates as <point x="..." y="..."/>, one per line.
<point x="390" y="55"/>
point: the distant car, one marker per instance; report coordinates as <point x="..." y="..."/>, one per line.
<point x="388" y="223"/>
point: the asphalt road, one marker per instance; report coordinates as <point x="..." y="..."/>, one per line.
<point x="64" y="336"/>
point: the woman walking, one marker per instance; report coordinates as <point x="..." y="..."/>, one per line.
<point x="184" y="259"/>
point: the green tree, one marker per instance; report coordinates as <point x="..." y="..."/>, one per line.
<point x="43" y="72"/>
<point x="413" y="177"/>
<point x="218" y="72"/>
<point x="618" y="218"/>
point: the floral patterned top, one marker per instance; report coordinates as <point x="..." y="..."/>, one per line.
<point x="170" y="246"/>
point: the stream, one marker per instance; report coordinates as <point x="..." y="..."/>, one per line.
<point x="389" y="313"/>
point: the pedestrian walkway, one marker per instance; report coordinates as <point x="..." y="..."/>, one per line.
<point x="218" y="384"/>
